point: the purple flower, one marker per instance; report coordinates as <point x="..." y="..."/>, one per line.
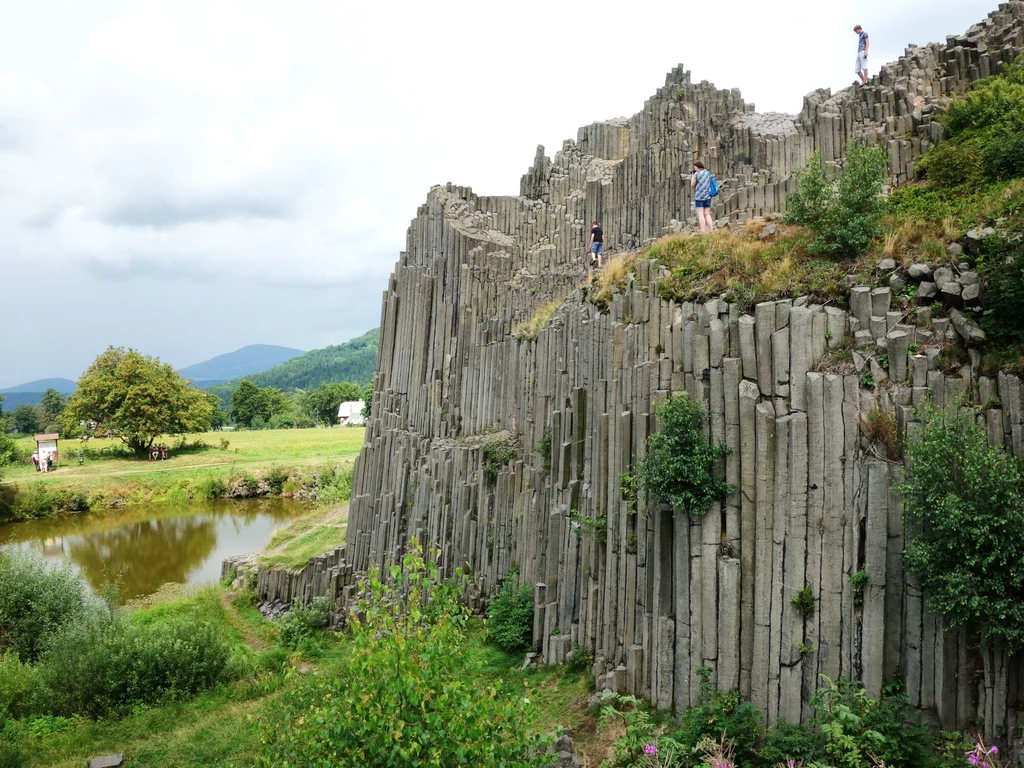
<point x="651" y="749"/>
<point x="792" y="763"/>
<point x="972" y="759"/>
<point x="994" y="750"/>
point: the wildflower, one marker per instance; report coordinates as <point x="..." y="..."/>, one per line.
<point x="651" y="749"/>
<point x="972" y="759"/>
<point x="994" y="750"/>
<point x="792" y="763"/>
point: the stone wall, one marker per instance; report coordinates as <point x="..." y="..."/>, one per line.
<point x="660" y="596"/>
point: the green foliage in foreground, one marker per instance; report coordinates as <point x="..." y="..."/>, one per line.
<point x="849" y="730"/>
<point x="680" y="466"/>
<point x="403" y="699"/>
<point x="36" y="603"/>
<point x="964" y="500"/>
<point x="64" y="653"/>
<point x="510" y="617"/>
<point x="845" y="213"/>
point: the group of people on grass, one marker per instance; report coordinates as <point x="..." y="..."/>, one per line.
<point x="703" y="183"/>
<point x="44" y="462"/>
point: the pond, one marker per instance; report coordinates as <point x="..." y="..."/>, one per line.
<point x="146" y="547"/>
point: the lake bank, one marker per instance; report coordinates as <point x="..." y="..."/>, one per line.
<point x="207" y="466"/>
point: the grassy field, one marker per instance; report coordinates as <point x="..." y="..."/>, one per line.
<point x="111" y="476"/>
<point x="219" y="728"/>
<point x="244" y="450"/>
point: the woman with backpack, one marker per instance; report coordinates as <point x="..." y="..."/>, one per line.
<point x="704" y="188"/>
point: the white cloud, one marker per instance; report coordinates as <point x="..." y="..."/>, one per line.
<point x="251" y="143"/>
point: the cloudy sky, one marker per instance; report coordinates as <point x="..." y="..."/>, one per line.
<point x="190" y="177"/>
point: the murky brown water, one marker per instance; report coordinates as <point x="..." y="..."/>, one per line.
<point x="147" y="547"/>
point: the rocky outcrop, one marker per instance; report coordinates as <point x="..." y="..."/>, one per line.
<point x="653" y="595"/>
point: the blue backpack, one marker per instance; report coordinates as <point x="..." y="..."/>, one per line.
<point x="714" y="187"/>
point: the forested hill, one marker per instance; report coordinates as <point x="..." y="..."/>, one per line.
<point x="354" y="361"/>
<point x="254" y="358"/>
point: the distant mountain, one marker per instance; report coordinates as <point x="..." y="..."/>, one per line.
<point x="353" y="361"/>
<point x="254" y="358"/>
<point x="64" y="386"/>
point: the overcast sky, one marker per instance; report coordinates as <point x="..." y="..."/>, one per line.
<point x="187" y="177"/>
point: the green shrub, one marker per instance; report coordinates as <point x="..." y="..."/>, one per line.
<point x="107" y="665"/>
<point x="13" y="756"/>
<point x="210" y="488"/>
<point x="803" y="600"/>
<point x="276" y="478"/>
<point x="954" y="164"/>
<point x="716" y="714"/>
<point x="857" y="729"/>
<point x="1004" y="155"/>
<point x="963" y="499"/>
<point x="496" y="456"/>
<point x="844" y="215"/>
<point x="303" y="621"/>
<point x="403" y="700"/>
<point x="1003" y="269"/>
<point x="334" y="485"/>
<point x="544" y="448"/>
<point x="36" y="602"/>
<point x="17" y="686"/>
<point x="786" y="742"/>
<point x="680" y="467"/>
<point x="510" y="617"/>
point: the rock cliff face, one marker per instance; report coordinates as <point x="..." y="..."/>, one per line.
<point x="658" y="596"/>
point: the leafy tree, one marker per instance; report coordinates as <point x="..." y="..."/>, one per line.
<point x="252" y="405"/>
<point x="368" y="402"/>
<point x="137" y="398"/>
<point x="52" y="405"/>
<point x="680" y="466"/>
<point x="966" y="542"/>
<point x="26" y="419"/>
<point x="220" y="416"/>
<point x="403" y="699"/>
<point x="321" y="404"/>
<point x="844" y="213"/>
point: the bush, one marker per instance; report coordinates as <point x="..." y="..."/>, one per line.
<point x="955" y="164"/>
<point x="276" y="478"/>
<point x="963" y="499"/>
<point x="303" y="621"/>
<point x="510" y="617"/>
<point x="718" y="714"/>
<point x="403" y="699"/>
<point x="845" y="214"/>
<point x="858" y="729"/>
<point x="17" y="685"/>
<point x="334" y="486"/>
<point x="107" y="665"/>
<point x="210" y="488"/>
<point x="36" y="602"/>
<point x="13" y="756"/>
<point x="680" y="467"/>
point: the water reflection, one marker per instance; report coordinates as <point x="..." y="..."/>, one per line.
<point x="146" y="548"/>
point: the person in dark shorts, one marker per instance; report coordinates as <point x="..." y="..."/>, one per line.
<point x="700" y="181"/>
<point x="596" y="244"/>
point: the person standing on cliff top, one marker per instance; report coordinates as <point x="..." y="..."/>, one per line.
<point x="596" y="244"/>
<point x="700" y="181"/>
<point x="862" y="55"/>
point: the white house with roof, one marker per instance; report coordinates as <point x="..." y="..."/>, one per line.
<point x="350" y="414"/>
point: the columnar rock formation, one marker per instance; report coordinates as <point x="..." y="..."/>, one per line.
<point x="657" y="596"/>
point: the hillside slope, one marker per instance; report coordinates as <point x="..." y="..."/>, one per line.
<point x="352" y="361"/>
<point x="254" y="358"/>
